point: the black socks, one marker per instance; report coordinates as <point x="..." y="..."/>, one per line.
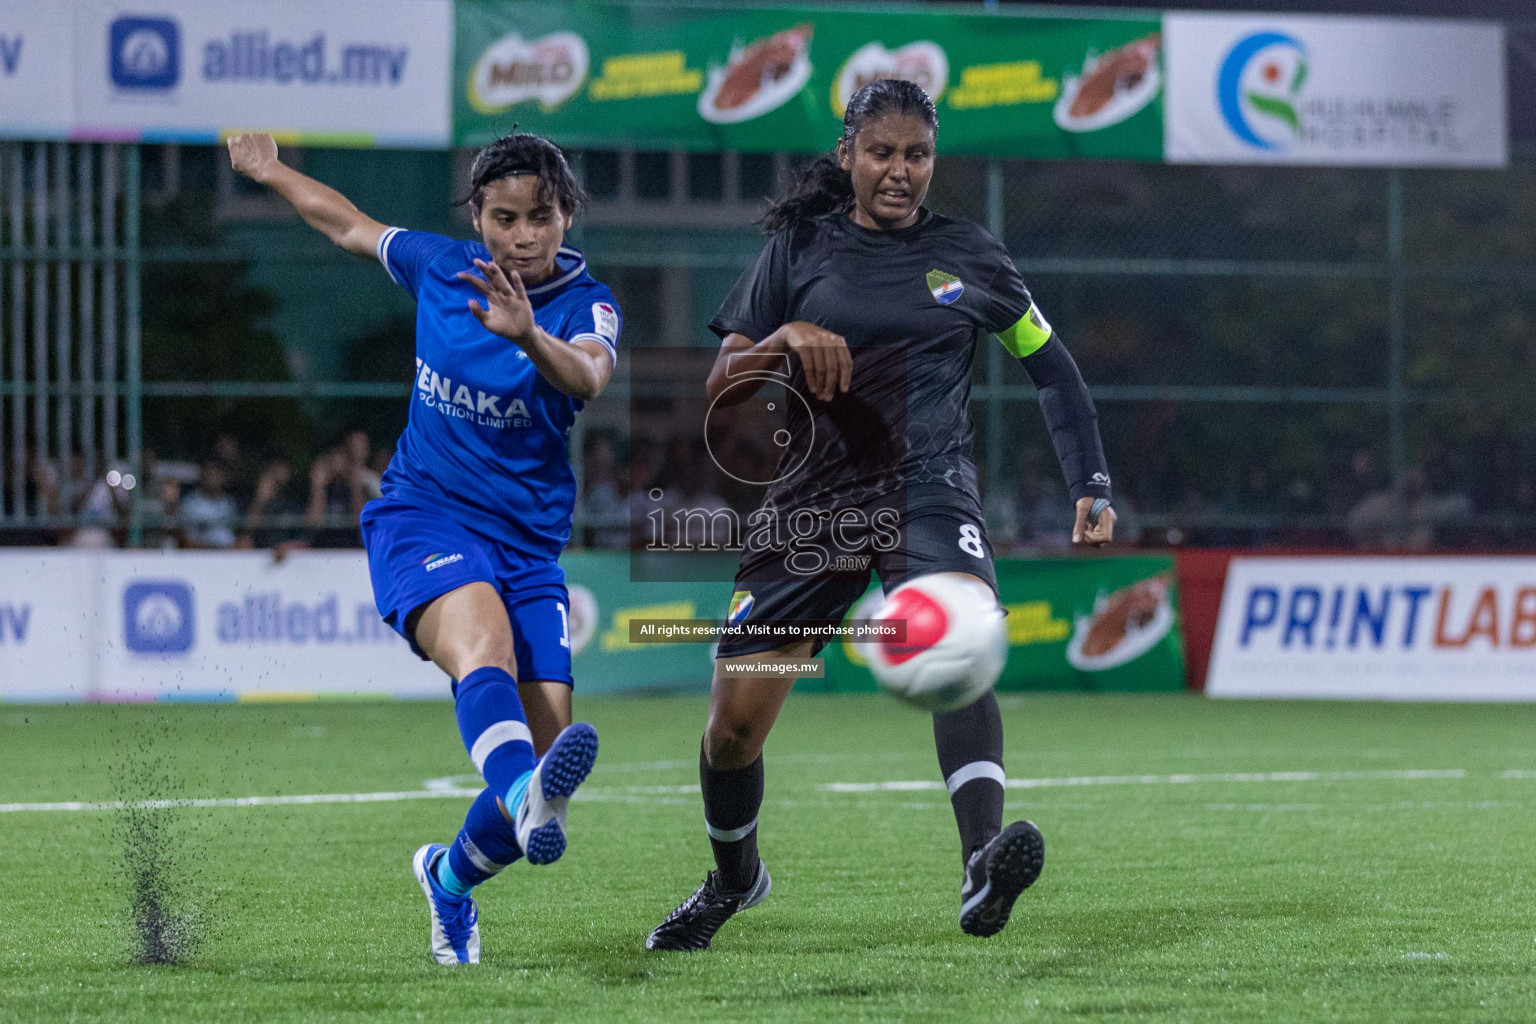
<point x="970" y="745"/>
<point x="731" y="802"/>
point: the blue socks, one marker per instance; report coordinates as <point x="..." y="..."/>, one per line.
<point x="495" y="732"/>
<point x="493" y="726"/>
<point x="484" y="846"/>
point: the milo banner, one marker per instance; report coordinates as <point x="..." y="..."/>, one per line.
<point x="778" y="79"/>
<point x="1092" y="624"/>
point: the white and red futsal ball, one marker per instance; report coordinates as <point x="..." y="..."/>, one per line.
<point x="954" y="647"/>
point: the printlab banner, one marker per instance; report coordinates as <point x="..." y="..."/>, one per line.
<point x="1092" y="624"/>
<point x="1246" y="89"/>
<point x="339" y="72"/>
<point x="779" y="78"/>
<point x="1377" y="628"/>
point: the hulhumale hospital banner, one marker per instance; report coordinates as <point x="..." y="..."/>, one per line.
<point x="777" y="79"/>
<point x="1251" y="89"/>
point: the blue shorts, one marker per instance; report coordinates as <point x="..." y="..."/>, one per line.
<point x="416" y="556"/>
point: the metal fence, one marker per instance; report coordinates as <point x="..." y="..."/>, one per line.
<point x="69" y="325"/>
<point x="1362" y="338"/>
<point x="1280" y="355"/>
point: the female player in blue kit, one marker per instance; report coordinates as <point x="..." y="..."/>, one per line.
<point x="512" y="337"/>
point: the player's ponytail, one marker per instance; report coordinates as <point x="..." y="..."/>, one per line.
<point x="824" y="187"/>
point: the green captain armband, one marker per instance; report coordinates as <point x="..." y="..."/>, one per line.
<point x="1026" y="337"/>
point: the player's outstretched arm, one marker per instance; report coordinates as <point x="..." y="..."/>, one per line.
<point x="322" y="207"/>
<point x="1073" y="423"/>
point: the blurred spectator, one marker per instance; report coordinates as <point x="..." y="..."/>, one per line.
<point x="275" y="518"/>
<point x="239" y="470"/>
<point x="1046" y="510"/>
<point x="105" y="509"/>
<point x="1350" y="483"/>
<point x="1385" y="521"/>
<point x="209" y="513"/>
<point x="604" y="512"/>
<point x="378" y="462"/>
<point x="77" y="486"/>
<point x="340" y="484"/>
<point x="359" y="474"/>
<point x="645" y="476"/>
<point x="1001" y="509"/>
<point x="699" y="501"/>
<point x="1128" y="531"/>
<point x="1253" y="497"/>
<point x="162" y="512"/>
<point x="46" y="498"/>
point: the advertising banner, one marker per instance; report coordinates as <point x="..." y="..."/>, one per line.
<point x="1092" y="624"/>
<point x="36" y="51"/>
<point x="50" y="625"/>
<point x="603" y="601"/>
<point x="779" y="79"/>
<point x="1377" y="628"/>
<point x="221" y="626"/>
<point x="345" y="72"/>
<point x="199" y="626"/>
<point x="226" y="626"/>
<point x="1245" y="89"/>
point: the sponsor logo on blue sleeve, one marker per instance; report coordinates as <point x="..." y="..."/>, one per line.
<point x="144" y="53"/>
<point x="157" y="617"/>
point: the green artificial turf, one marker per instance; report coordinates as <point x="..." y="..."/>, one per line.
<point x="1376" y="899"/>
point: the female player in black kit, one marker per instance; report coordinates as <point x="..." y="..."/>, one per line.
<point x="882" y="303"/>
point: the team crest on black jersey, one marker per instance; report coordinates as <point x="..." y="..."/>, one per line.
<point x="945" y="287"/>
<point x="741" y="607"/>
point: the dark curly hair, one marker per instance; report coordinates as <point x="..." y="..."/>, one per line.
<point x="525" y="154"/>
<point x="824" y="187"/>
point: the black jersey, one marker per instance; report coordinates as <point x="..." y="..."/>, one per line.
<point x="911" y="304"/>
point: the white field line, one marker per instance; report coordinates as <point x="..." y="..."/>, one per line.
<point x="1162" y="780"/>
<point x="1402" y="805"/>
<point x="675" y="794"/>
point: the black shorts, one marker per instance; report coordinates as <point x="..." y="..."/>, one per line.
<point x="817" y="564"/>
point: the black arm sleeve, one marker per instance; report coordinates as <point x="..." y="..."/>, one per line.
<point x="1071" y="419"/>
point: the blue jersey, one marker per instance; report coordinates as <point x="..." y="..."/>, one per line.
<point x="486" y="440"/>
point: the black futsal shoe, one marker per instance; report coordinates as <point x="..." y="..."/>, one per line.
<point x="692" y="925"/>
<point x="995" y="876"/>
